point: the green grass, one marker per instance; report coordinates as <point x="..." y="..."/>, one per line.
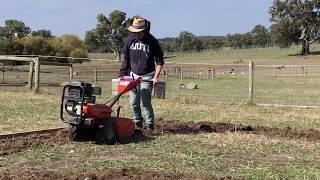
<point x="272" y="54"/>
<point x="220" y="101"/>
<point x="213" y="155"/>
<point x="259" y="55"/>
<point x="232" y="89"/>
<point x="23" y="111"/>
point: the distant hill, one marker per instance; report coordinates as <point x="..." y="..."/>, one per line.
<point x="172" y="39"/>
<point x="167" y="40"/>
<point x="212" y="37"/>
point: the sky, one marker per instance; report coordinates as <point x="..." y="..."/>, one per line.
<point x="168" y="17"/>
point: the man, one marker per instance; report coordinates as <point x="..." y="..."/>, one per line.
<point x="142" y="57"/>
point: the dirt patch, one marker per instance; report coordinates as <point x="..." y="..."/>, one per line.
<point x="177" y="127"/>
<point x="101" y="175"/>
<point x="22" y="143"/>
<point x="13" y="144"/>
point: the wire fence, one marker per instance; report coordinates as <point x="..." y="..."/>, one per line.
<point x="13" y="74"/>
<point x="225" y="83"/>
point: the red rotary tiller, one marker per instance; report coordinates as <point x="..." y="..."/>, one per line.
<point x="90" y="121"/>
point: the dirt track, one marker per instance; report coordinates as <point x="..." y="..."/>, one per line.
<point x="25" y="142"/>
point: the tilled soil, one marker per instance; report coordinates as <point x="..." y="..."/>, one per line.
<point x="178" y="127"/>
<point x="23" y="142"/>
<point x="111" y="174"/>
<point x="12" y="144"/>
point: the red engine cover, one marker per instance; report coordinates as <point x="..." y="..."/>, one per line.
<point x="124" y="127"/>
<point x="96" y="111"/>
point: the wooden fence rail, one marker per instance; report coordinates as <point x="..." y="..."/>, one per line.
<point x="34" y="68"/>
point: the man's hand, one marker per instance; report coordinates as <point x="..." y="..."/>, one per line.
<point x="157" y="74"/>
<point x="155" y="81"/>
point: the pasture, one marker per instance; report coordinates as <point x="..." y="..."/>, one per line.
<point x="242" y="142"/>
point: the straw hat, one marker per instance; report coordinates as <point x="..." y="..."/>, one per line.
<point x="138" y="25"/>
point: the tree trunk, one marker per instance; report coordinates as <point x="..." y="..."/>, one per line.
<point x="119" y="55"/>
<point x="305" y="36"/>
<point x="305" y="47"/>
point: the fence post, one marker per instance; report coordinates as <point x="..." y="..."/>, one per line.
<point x="95" y="75"/>
<point x="2" y="72"/>
<point x="251" y="77"/>
<point x="187" y="72"/>
<point x="213" y="75"/>
<point x="166" y="75"/>
<point x="181" y="74"/>
<point x="197" y="73"/>
<point x="37" y="76"/>
<point x="70" y="72"/>
<point x="30" y="75"/>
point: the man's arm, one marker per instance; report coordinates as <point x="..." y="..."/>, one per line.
<point x="157" y="74"/>
<point x="159" y="61"/>
<point x="125" y="65"/>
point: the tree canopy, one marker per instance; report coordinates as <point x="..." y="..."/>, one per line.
<point x="298" y="17"/>
<point x="109" y="34"/>
<point x="43" y="33"/>
<point x="14" y="28"/>
<point x="17" y="39"/>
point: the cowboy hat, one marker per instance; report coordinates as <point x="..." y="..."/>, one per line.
<point x="138" y="25"/>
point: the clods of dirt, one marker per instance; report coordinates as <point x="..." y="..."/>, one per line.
<point x="12" y="144"/>
<point x="15" y="144"/>
<point x="110" y="174"/>
<point x="178" y="127"/>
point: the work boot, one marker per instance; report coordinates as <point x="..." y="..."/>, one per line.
<point x="138" y="125"/>
<point x="149" y="130"/>
<point x="150" y="126"/>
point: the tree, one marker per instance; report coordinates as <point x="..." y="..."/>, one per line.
<point x="37" y="45"/>
<point x="4" y="46"/>
<point x="261" y="36"/>
<point x="14" y="28"/>
<point x="302" y="16"/>
<point x="109" y="32"/>
<point x="246" y="40"/>
<point x="79" y="53"/>
<point x="234" y="40"/>
<point x="212" y="43"/>
<point x="10" y="35"/>
<point x="167" y="46"/>
<point x="16" y="47"/>
<point x="189" y="42"/>
<point x="43" y="33"/>
<point x="283" y="35"/>
<point x="92" y="43"/>
<point x="63" y="46"/>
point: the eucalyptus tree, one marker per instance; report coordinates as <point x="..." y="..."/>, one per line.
<point x="301" y="16"/>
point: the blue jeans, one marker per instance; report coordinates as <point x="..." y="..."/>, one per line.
<point x="142" y="95"/>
